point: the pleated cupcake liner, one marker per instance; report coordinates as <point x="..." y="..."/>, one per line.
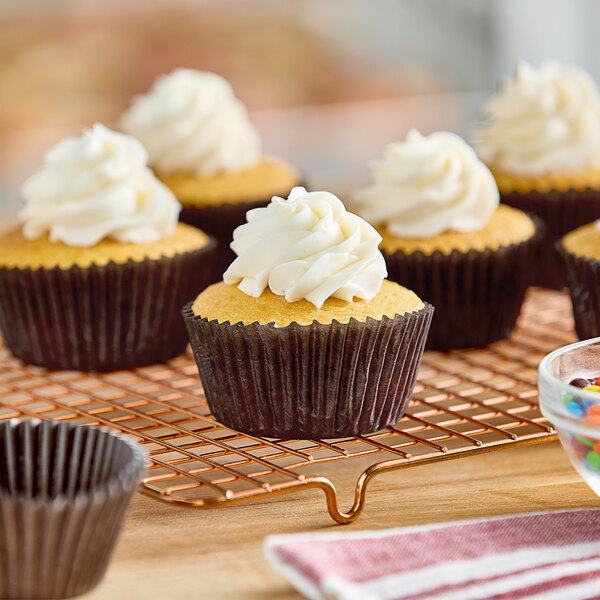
<point x="115" y="316"/>
<point x="477" y="294"/>
<point x="64" y="493"/>
<point x="309" y="381"/>
<point x="583" y="280"/>
<point x="561" y="212"/>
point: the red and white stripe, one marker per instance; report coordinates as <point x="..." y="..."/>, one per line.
<point x="545" y="556"/>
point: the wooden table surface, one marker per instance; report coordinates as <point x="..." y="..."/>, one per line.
<point x="180" y="553"/>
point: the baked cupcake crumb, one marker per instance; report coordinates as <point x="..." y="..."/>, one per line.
<point x="583" y="241"/>
<point x="508" y="226"/>
<point x="224" y="302"/>
<point x="18" y="252"/>
<point x="269" y="177"/>
<point x="562" y="182"/>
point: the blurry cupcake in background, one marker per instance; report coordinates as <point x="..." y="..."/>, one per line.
<point x="203" y="147"/>
<point x="542" y="142"/>
<point x="446" y="237"/>
<point x="96" y="277"/>
<point x="580" y="250"/>
<point x="304" y="337"/>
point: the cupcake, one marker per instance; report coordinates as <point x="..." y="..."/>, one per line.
<point x="580" y="251"/>
<point x="96" y="277"/>
<point x="203" y="147"/>
<point x="542" y="142"/>
<point x="304" y="338"/>
<point x="446" y="236"/>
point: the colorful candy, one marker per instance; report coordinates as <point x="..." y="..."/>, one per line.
<point x="587" y="449"/>
<point x="580" y="449"/>
<point x="593" y="460"/>
<point x="580" y="382"/>
<point x="576" y="409"/>
<point x="586" y="442"/>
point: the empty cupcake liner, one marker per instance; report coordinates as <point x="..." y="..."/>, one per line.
<point x="561" y="212"/>
<point x="477" y="295"/>
<point x="115" y="316"/>
<point x="309" y="381"/>
<point x="583" y="279"/>
<point x="64" y="493"/>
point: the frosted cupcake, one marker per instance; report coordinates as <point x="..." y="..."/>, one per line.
<point x="203" y="147"/>
<point x="542" y="142"/>
<point x="304" y="338"/>
<point x="96" y="277"/>
<point x="446" y="236"/>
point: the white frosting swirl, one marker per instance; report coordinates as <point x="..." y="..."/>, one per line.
<point x="98" y="186"/>
<point x="545" y="120"/>
<point x="191" y="122"/>
<point x="307" y="246"/>
<point x="427" y="185"/>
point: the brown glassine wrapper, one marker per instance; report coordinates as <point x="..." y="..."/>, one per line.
<point x="477" y="295"/>
<point x="64" y="493"/>
<point x="561" y="212"/>
<point x="583" y="279"/>
<point x="116" y="316"/>
<point x="309" y="381"/>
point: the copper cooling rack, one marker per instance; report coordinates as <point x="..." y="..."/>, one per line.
<point x="465" y="402"/>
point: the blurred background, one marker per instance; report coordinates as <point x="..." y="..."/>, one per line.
<point x="327" y="82"/>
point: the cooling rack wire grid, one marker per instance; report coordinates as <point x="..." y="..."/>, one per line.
<point x="465" y="402"/>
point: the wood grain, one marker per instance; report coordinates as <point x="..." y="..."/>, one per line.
<point x="179" y="553"/>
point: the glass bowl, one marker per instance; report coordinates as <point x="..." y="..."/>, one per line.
<point x="574" y="412"/>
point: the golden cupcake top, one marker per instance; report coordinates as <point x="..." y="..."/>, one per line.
<point x="93" y="202"/>
<point x="544" y="121"/>
<point x="16" y="251"/>
<point x="309" y="247"/>
<point x="562" y="182"/>
<point x="507" y="226"/>
<point x="268" y="177"/>
<point x="584" y="241"/>
<point x="222" y="302"/>
<point x="191" y="122"/>
<point x="305" y="259"/>
<point x="95" y="187"/>
<point x="428" y="185"/>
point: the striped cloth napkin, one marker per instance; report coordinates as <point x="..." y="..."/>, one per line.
<point x="546" y="556"/>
